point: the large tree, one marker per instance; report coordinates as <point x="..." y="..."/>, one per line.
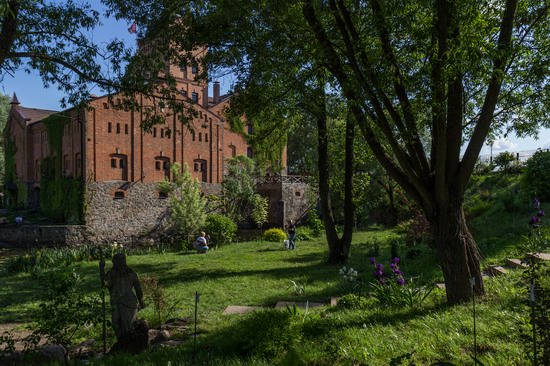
<point x="426" y="81"/>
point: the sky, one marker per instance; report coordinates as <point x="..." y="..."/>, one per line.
<point x="31" y="92"/>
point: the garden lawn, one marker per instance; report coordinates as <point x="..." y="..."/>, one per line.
<point x="261" y="274"/>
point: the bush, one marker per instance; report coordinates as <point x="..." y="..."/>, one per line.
<point x="222" y="229"/>
<point x="504" y="160"/>
<point x="536" y="177"/>
<point x="315" y="224"/>
<point x="352" y="301"/>
<point x="269" y="333"/>
<point x="274" y="235"/>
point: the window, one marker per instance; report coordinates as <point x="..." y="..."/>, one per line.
<point x="249" y="152"/>
<point x="206" y="137"/>
<point x="126" y="128"/>
<point x="119" y="195"/>
<point x="118" y="128"/>
<point x="122" y="163"/>
<point x="233" y="150"/>
<point x="184" y="92"/>
<point x="183" y="67"/>
<point x="194" y="67"/>
<point x="109" y="127"/>
<point x="165" y="165"/>
<point x="200" y="136"/>
<point x="250" y="128"/>
<point x="194" y="97"/>
<point x="157" y="165"/>
<point x="167" y="133"/>
<point x="162" y="133"/>
<point x="113" y="163"/>
<point x="193" y="135"/>
<point x="154" y="132"/>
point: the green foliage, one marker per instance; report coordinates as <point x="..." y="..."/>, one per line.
<point x="409" y="295"/>
<point x="238" y="188"/>
<point x="62" y="199"/>
<point x="66" y="310"/>
<point x="504" y="160"/>
<point x="274" y="235"/>
<point x="278" y="331"/>
<point x="187" y="206"/>
<point x="315" y="224"/>
<point x="37" y="261"/>
<point x="164" y="307"/>
<point x="352" y="301"/>
<point x="260" y="210"/>
<point x="221" y="229"/>
<point x="4" y="111"/>
<point x="536" y="178"/>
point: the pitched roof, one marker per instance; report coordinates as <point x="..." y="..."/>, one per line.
<point x="32" y="115"/>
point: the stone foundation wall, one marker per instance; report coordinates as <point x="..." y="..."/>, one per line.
<point x="42" y="235"/>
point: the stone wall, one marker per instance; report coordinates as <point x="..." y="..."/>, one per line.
<point x="43" y="235"/>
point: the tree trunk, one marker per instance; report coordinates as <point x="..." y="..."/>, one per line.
<point x="457" y="252"/>
<point x="338" y="247"/>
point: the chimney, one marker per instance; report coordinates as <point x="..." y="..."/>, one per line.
<point x="216" y="92"/>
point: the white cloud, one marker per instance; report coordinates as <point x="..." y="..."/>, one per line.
<point x="504" y="144"/>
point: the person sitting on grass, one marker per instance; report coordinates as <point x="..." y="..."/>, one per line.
<point x="200" y="243"/>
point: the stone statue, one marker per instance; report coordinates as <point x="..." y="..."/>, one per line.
<point x="121" y="280"/>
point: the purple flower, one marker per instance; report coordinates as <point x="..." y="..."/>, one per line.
<point x="400" y="281"/>
<point x="396" y="260"/>
<point x="536" y="203"/>
<point x="373" y="261"/>
<point x="398" y="272"/>
<point x="540" y="213"/>
<point x="393" y="266"/>
<point x="381" y="281"/>
<point x="379" y="266"/>
<point x="534" y="220"/>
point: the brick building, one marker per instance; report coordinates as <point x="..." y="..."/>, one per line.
<point x="118" y="162"/>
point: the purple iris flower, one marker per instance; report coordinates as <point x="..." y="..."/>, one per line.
<point x="400" y="281"/>
<point x="540" y="213"/>
<point x="396" y="260"/>
<point x="373" y="260"/>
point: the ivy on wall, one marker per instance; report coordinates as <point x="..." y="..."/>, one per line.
<point x="10" y="179"/>
<point x="61" y="198"/>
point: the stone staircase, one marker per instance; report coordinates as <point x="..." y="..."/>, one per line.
<point x="511" y="263"/>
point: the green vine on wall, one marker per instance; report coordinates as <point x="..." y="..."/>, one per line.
<point x="61" y="198"/>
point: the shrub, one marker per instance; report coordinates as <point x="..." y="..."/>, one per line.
<point x="504" y="160"/>
<point x="536" y="177"/>
<point x="315" y="224"/>
<point x="269" y="333"/>
<point x="274" y="235"/>
<point x="222" y="229"/>
<point x="352" y="301"/>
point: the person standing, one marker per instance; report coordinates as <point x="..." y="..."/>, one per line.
<point x="291" y="231"/>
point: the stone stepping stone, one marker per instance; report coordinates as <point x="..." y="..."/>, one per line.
<point x="496" y="270"/>
<point x="236" y="309"/>
<point x="515" y="263"/>
<point x="284" y="304"/>
<point x="540" y="256"/>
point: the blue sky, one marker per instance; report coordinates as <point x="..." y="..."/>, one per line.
<point x="31" y="92"/>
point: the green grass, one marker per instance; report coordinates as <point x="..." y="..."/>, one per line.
<point x="260" y="274"/>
